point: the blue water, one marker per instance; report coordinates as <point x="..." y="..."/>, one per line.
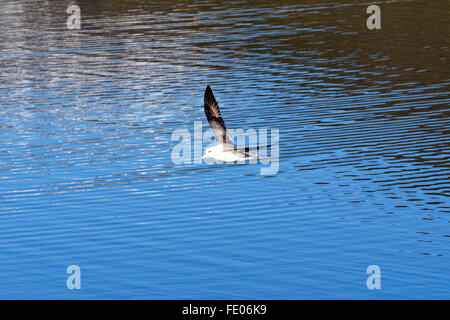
<point x="87" y="178"/>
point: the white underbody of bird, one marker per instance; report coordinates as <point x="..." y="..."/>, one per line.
<point x="220" y="152"/>
<point x="224" y="150"/>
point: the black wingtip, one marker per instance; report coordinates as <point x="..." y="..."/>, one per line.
<point x="209" y="96"/>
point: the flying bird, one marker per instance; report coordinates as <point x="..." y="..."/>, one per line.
<point x="224" y="150"/>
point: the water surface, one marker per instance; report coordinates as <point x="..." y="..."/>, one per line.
<point x="86" y="177"/>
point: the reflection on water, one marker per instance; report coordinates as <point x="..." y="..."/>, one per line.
<point x="86" y="177"/>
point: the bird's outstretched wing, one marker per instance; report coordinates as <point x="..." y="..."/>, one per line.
<point x="215" y="119"/>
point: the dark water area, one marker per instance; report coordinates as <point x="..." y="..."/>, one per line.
<point x="87" y="179"/>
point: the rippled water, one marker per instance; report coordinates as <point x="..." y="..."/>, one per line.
<point x="86" y="176"/>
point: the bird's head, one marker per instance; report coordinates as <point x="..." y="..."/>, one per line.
<point x="208" y="154"/>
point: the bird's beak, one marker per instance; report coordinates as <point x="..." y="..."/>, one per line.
<point x="203" y="156"/>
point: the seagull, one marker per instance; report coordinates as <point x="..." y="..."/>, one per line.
<point x="224" y="150"/>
